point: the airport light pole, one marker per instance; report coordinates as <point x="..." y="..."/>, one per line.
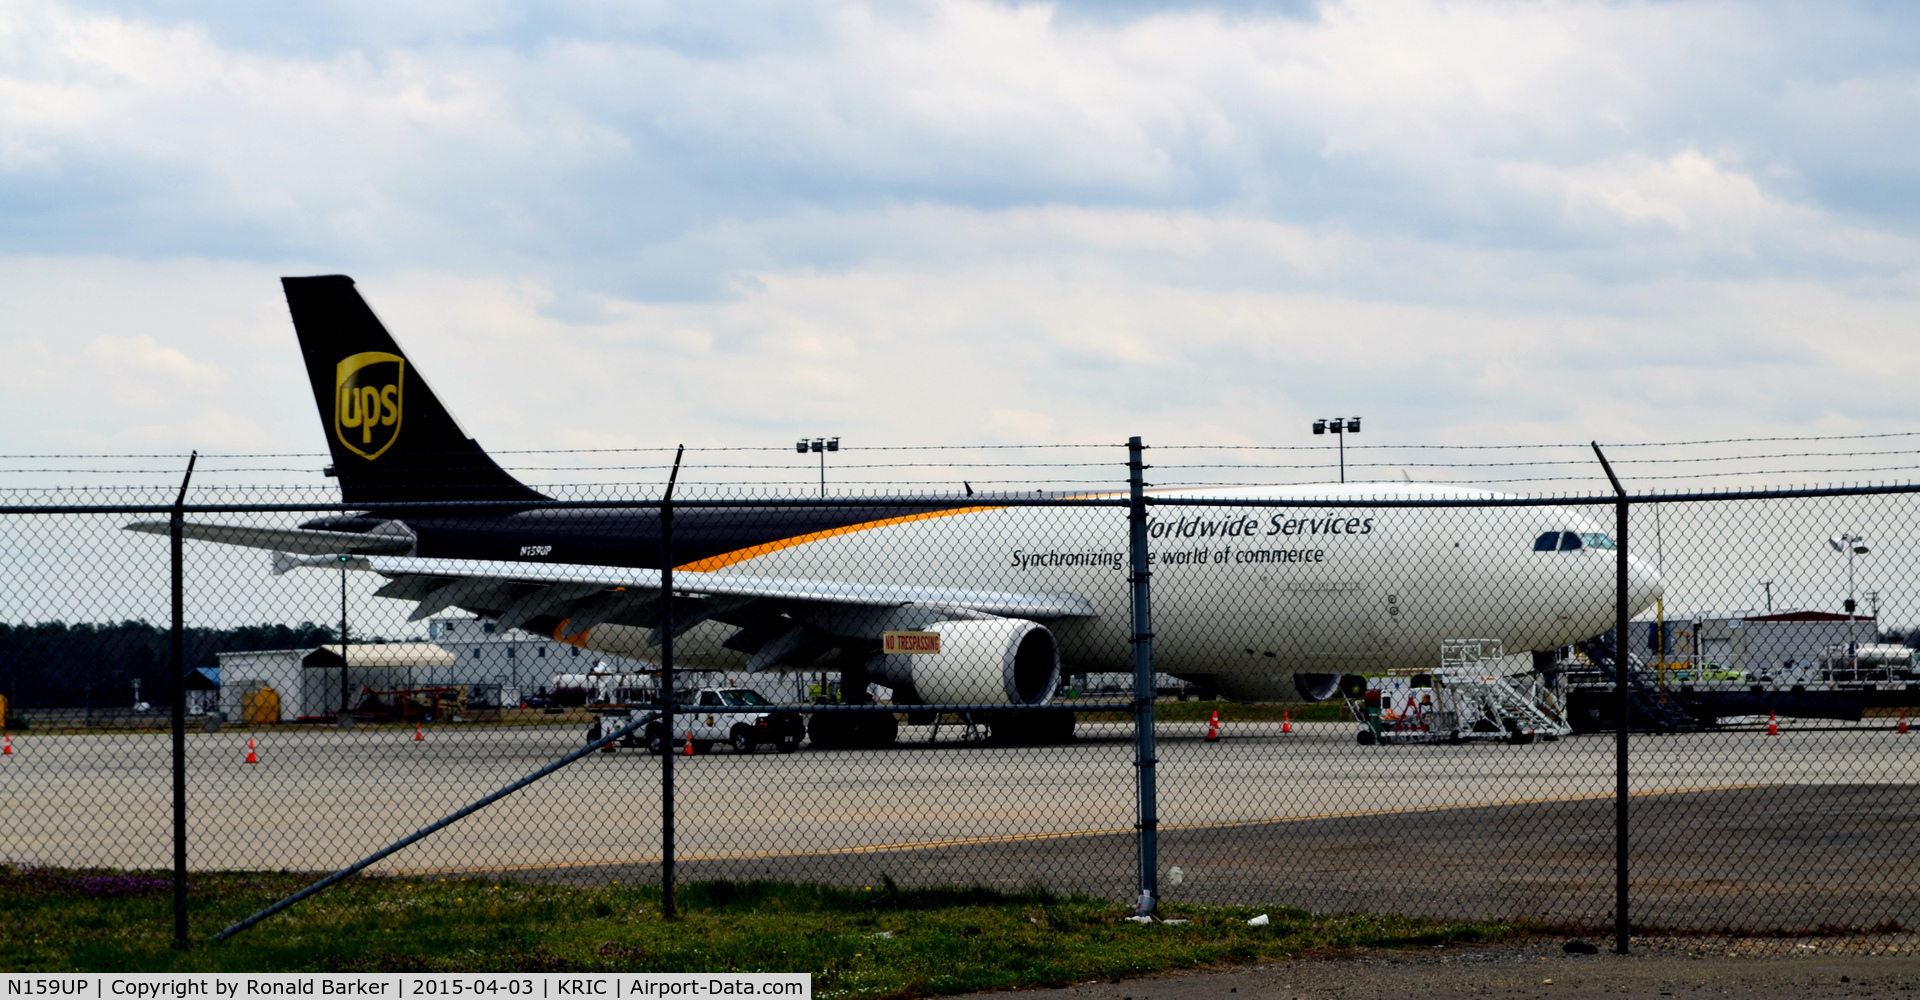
<point x="819" y="446"/>
<point x="1852" y="545"/>
<point x="1339" y="428"/>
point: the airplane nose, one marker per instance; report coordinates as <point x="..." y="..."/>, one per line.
<point x="1644" y="585"/>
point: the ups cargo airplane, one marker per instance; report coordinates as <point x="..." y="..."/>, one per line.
<point x="1260" y="603"/>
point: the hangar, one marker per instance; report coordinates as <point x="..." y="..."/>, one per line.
<point x="307" y="681"/>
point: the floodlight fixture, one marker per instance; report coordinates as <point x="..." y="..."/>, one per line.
<point x="819" y="446"/>
<point x="1852" y="546"/>
<point x="1340" y="427"/>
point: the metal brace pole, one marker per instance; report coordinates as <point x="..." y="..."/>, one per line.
<point x="667" y="907"/>
<point x="1622" y="927"/>
<point x="1143" y="747"/>
<point x="176" y="528"/>
<point x="436" y="826"/>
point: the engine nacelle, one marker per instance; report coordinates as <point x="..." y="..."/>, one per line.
<point x="1000" y="661"/>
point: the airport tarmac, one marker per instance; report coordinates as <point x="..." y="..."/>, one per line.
<point x="1531" y="967"/>
<point x="1816" y="825"/>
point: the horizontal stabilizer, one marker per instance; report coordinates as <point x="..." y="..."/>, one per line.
<point x="300" y="541"/>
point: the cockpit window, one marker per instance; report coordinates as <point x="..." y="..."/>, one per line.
<point x="1569" y="541"/>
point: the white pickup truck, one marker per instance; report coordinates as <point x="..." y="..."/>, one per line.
<point x="738" y="717"/>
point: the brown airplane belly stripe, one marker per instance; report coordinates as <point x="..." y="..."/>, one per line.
<point x="725" y="559"/>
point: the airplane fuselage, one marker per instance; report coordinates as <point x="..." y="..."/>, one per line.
<point x="1245" y="597"/>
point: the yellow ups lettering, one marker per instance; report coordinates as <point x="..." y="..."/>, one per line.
<point x="369" y="413"/>
<point x="370" y="398"/>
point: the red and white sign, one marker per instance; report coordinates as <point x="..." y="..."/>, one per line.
<point x="910" y="643"/>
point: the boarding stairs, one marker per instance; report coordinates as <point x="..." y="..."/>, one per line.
<point x="1662" y="711"/>
<point x="1480" y="695"/>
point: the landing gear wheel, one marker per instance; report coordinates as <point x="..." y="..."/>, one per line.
<point x="1030" y="728"/>
<point x="879" y="731"/>
<point x="742" y="740"/>
<point x="842" y="730"/>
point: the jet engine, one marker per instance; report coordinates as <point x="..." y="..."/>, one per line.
<point x="998" y="661"/>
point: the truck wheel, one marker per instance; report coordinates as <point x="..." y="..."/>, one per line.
<point x="656" y="742"/>
<point x="742" y="740"/>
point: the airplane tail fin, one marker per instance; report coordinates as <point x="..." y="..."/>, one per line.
<point x="392" y="441"/>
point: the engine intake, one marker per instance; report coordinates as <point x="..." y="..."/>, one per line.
<point x="1000" y="661"/>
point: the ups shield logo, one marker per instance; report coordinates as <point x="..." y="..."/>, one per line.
<point x="366" y="402"/>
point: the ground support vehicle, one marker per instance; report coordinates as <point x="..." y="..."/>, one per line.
<point x="1451" y="705"/>
<point x="739" y="717"/>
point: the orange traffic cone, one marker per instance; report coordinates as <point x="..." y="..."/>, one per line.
<point x="1903" y="722"/>
<point x="7" y="751"/>
<point x="689" y="750"/>
<point x="1773" y="725"/>
<point x="1213" y="727"/>
<point x="251" y="758"/>
<point x="1286" y="722"/>
<point x="417" y="736"/>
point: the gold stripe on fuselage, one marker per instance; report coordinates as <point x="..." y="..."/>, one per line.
<point x="725" y="559"/>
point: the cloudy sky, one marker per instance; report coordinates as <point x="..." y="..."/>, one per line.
<point x="605" y="225"/>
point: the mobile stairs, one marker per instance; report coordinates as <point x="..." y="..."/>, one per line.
<point x="1465" y="700"/>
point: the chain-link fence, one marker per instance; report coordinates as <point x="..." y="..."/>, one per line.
<point x="1380" y="697"/>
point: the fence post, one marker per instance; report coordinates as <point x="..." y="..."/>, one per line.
<point x="1622" y="927"/>
<point x="1143" y="748"/>
<point x="177" y="662"/>
<point x="667" y="908"/>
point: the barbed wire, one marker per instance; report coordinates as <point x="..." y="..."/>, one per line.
<point x="216" y="456"/>
<point x="789" y="466"/>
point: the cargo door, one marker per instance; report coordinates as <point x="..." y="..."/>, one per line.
<point x="1333" y="625"/>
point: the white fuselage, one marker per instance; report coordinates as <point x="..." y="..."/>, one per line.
<point x="1245" y="596"/>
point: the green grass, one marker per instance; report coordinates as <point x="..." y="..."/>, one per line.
<point x="943" y="940"/>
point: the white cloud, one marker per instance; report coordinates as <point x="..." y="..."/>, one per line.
<point x="1472" y="221"/>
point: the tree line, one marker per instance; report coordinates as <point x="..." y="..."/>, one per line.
<point x="57" y="665"/>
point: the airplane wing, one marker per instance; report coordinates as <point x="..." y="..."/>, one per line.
<point x="778" y="621"/>
<point x="562" y="577"/>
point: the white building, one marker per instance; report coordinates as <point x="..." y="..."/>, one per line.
<point x="1782" y="647"/>
<point x="522" y="663"/>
